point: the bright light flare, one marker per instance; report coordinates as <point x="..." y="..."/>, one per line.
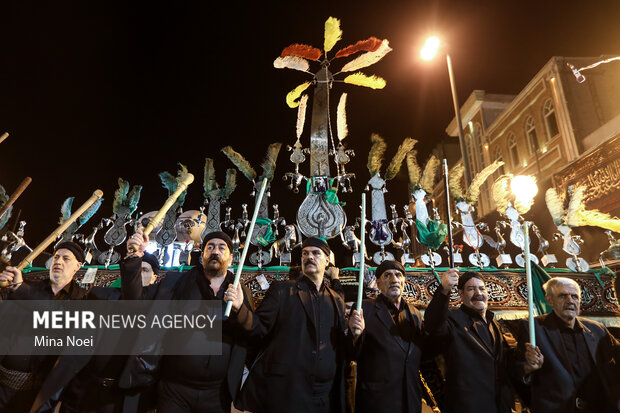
<point x="431" y="46"/>
<point x="524" y="187"/>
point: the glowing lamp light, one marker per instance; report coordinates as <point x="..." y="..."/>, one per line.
<point x="524" y="187"/>
<point x="429" y="51"/>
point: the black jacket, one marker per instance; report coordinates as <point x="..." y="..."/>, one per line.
<point x="279" y="380"/>
<point x="388" y="361"/>
<point x="477" y="377"/>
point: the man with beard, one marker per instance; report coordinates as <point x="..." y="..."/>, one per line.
<point x="571" y="369"/>
<point x="199" y="383"/>
<point x="474" y="345"/>
<point x="21" y="376"/>
<point x="389" y="349"/>
<point x="299" y="367"/>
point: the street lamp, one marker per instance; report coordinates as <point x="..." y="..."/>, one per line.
<point x="428" y="52"/>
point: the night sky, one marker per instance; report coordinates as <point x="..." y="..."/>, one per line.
<point x="93" y="92"/>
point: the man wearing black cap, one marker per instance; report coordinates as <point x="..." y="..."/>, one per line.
<point x="475" y="347"/>
<point x="300" y="324"/>
<point x="206" y="383"/>
<point x="21" y="376"/>
<point x="389" y="349"/>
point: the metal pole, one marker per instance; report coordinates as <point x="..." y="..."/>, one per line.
<point x="459" y="124"/>
<point x="528" y="276"/>
<point x="448" y="215"/>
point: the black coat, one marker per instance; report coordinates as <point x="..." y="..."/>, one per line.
<point x="552" y="387"/>
<point x="279" y="380"/>
<point x="388" y="365"/>
<point x="477" y="378"/>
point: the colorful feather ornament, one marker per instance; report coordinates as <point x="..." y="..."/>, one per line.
<point x="230" y="184"/>
<point x="413" y="169"/>
<point x="500" y="193"/>
<point x="133" y="198"/>
<point x="427" y="182"/>
<point x="360" y="79"/>
<point x="555" y="205"/>
<point x="292" y="62"/>
<point x="209" y="183"/>
<point x="293" y="95"/>
<point x="375" y="156"/>
<point x="332" y="33"/>
<point x="397" y="161"/>
<point x="302" y="50"/>
<point x="65" y="210"/>
<point x="473" y="192"/>
<point x="301" y="115"/>
<point x="92" y="210"/>
<point x="341" y="118"/>
<point x="370" y="45"/>
<point x="4" y="197"/>
<point x="599" y="219"/>
<point x="368" y="58"/>
<point x="269" y="163"/>
<point x="454" y="183"/>
<point x="240" y="162"/>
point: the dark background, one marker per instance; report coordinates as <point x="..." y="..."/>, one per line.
<point x="91" y="91"/>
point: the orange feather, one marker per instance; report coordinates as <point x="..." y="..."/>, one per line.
<point x="302" y="50"/>
<point x="370" y="45"/>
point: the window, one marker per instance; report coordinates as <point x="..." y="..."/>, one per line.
<point x="513" y="153"/>
<point x="550" y="123"/>
<point x="499" y="156"/>
<point x="530" y="134"/>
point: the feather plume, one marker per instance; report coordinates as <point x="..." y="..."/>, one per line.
<point x="133" y="198"/>
<point x="474" y="187"/>
<point x="427" y="182"/>
<point x="302" y="50"/>
<point x="599" y="219"/>
<point x="293" y="95"/>
<point x="171" y="183"/>
<point x="370" y="45"/>
<point x="209" y="179"/>
<point x="555" y="205"/>
<point x="269" y="163"/>
<point x="397" y="161"/>
<point x="240" y="162"/>
<point x="341" y="118"/>
<point x="230" y="184"/>
<point x="375" y="156"/>
<point x="332" y="33"/>
<point x="120" y="195"/>
<point x="360" y="79"/>
<point x="500" y="193"/>
<point x="574" y="205"/>
<point x="65" y="210"/>
<point x="90" y="211"/>
<point x="454" y="183"/>
<point x="4" y="197"/>
<point x="301" y="115"/>
<point x="413" y="169"/>
<point x="292" y="62"/>
<point x="368" y="58"/>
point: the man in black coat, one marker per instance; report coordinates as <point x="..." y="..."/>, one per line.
<point x="197" y="383"/>
<point x="389" y="349"/>
<point x="21" y="376"/>
<point x="574" y="367"/>
<point x="299" y="367"/>
<point x="475" y="347"/>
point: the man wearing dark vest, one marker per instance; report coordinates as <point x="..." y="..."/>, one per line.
<point x="299" y="367"/>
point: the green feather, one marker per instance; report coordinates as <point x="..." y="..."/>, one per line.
<point x="231" y="183"/>
<point x="397" y="160"/>
<point x="65" y="210"/>
<point x="269" y="163"/>
<point x="4" y="197"/>
<point x="90" y="212"/>
<point x="133" y="198"/>
<point x="375" y="156"/>
<point x="209" y="181"/>
<point x="240" y="162"/>
<point x="120" y="196"/>
<point x="171" y="183"/>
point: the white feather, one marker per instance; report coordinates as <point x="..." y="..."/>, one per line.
<point x="301" y="115"/>
<point x="341" y="122"/>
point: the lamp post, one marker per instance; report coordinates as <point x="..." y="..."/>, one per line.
<point x="428" y="52"/>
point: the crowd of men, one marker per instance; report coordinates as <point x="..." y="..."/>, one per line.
<point x="298" y="342"/>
